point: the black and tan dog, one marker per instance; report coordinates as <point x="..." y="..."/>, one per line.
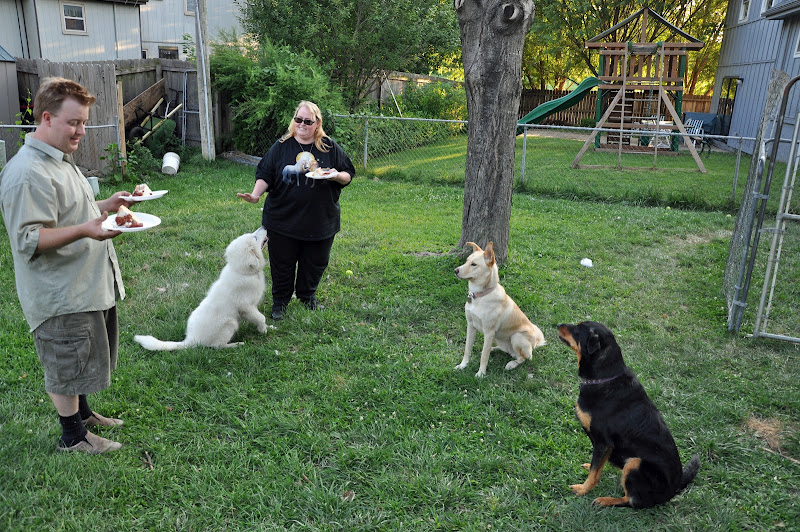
<point x="623" y="424"/>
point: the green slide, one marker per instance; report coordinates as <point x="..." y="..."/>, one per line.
<point x="559" y="104"/>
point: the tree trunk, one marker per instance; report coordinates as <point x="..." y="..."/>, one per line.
<point x="492" y="37"/>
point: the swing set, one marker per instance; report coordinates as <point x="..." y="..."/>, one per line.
<point x="640" y="95"/>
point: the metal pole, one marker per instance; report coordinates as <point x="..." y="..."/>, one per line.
<point x="777" y="235"/>
<point x="736" y="170"/>
<point x="366" y="135"/>
<point x="524" y="150"/>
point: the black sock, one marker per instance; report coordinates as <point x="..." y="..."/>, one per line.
<point x="72" y="429"/>
<point x="83" y="407"/>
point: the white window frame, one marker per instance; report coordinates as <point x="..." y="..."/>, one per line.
<point x="797" y="46"/>
<point x="744" y="10"/>
<point x="767" y="4"/>
<point x="64" y="17"/>
<point x="187" y="10"/>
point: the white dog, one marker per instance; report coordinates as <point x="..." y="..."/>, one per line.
<point x="233" y="297"/>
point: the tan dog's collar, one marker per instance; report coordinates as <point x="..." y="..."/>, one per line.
<point x="474" y="295"/>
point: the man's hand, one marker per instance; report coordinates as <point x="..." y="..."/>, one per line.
<point x="113" y="203"/>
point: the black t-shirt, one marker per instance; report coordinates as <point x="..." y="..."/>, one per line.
<point x="298" y="206"/>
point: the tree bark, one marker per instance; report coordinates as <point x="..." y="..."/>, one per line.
<point x="492" y="36"/>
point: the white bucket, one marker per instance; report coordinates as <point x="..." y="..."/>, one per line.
<point x="171" y="163"/>
<point x="94" y="184"/>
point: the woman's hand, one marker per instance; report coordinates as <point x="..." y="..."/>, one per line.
<point x="248" y="197"/>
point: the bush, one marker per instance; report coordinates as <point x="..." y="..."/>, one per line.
<point x="443" y="101"/>
<point x="263" y="85"/>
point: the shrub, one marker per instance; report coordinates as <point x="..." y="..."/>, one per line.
<point x="443" y="101"/>
<point x="263" y="85"/>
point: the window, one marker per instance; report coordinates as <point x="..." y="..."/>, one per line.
<point x="165" y="52"/>
<point x="190" y="7"/>
<point x="730" y="86"/>
<point x="767" y="4"/>
<point x="797" y="47"/>
<point x="73" y="19"/>
<point x="744" y="10"/>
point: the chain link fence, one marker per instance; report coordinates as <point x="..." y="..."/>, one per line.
<point x="435" y="151"/>
<point x="14" y="137"/>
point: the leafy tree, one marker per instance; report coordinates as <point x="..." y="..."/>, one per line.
<point x="563" y="26"/>
<point x="264" y="84"/>
<point x="357" y="39"/>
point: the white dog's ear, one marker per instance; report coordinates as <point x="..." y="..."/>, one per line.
<point x="253" y="264"/>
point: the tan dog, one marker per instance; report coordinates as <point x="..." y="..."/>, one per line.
<point x="490" y="311"/>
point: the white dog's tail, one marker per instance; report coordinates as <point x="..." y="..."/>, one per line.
<point x="152" y="343"/>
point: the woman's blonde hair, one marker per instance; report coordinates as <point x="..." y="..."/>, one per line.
<point x="52" y="93"/>
<point x="319" y="134"/>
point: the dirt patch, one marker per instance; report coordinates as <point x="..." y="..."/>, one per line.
<point x="771" y="431"/>
<point x="695" y="240"/>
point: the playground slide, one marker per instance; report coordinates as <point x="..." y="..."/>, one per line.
<point x="559" y="104"/>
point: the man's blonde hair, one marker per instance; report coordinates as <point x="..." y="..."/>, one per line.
<point x="52" y="93"/>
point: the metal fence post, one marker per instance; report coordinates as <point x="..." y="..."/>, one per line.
<point x="524" y="150"/>
<point x="366" y="135"/>
<point x="736" y="170"/>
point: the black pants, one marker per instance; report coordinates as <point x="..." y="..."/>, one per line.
<point x="296" y="266"/>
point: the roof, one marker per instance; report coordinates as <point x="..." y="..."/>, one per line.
<point x="132" y="2"/>
<point x="652" y="14"/>
<point x="783" y="11"/>
<point x="5" y="56"/>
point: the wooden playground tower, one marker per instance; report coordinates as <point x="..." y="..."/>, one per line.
<point x="638" y="80"/>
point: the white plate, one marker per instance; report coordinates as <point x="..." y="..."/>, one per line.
<point x="155" y="195"/>
<point x="148" y="221"/>
<point x="312" y="175"/>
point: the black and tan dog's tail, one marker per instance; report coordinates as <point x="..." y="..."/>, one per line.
<point x="689" y="472"/>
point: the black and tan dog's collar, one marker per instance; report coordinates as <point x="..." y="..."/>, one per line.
<point x="475" y="295"/>
<point x="599" y="381"/>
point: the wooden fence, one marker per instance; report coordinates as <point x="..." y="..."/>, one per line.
<point x="101" y="78"/>
<point x="585" y="109"/>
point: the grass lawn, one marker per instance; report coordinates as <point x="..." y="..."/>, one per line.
<point x="353" y="417"/>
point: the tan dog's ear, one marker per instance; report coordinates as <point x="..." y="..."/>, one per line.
<point x="488" y="254"/>
<point x="475" y="247"/>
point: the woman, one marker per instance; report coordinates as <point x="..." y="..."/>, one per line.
<point x="301" y="213"/>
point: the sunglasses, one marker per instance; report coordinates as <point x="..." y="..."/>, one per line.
<point x="305" y="121"/>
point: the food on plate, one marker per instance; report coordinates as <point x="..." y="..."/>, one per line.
<point x="142" y="190"/>
<point x="126" y="218"/>
<point x="323" y="172"/>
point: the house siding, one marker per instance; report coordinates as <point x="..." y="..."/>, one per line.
<point x="164" y="22"/>
<point x="750" y="51"/>
<point x="9" y="28"/>
<point x="112" y="32"/>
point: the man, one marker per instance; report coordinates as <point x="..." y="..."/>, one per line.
<point x="67" y="274"/>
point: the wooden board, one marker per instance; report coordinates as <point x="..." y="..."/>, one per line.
<point x="143" y="102"/>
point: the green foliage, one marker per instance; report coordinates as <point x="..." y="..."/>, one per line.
<point x="142" y="165"/>
<point x="188" y="47"/>
<point x="555" y="46"/>
<point x="113" y="156"/>
<point x="264" y="85"/>
<point x="24" y="117"/>
<point x="443" y="101"/>
<point x="162" y="139"/>
<point x="357" y="39"/>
